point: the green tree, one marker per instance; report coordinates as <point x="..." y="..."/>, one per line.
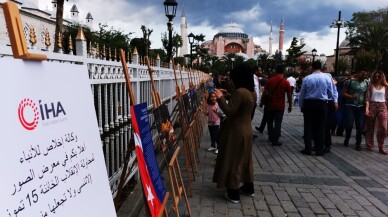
<point x="111" y="38"/>
<point x="367" y="60"/>
<point x="155" y="52"/>
<point x="252" y="63"/>
<point x="343" y="65"/>
<point x="263" y="62"/>
<point x="176" y="42"/>
<point x="72" y="30"/>
<point x="294" y="52"/>
<point x="278" y="57"/>
<point x="140" y="46"/>
<point x="369" y="31"/>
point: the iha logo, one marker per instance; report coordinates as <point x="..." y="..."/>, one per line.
<point x="29" y="113"/>
<point x="24" y="106"/>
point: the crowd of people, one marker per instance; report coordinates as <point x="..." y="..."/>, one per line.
<point x="330" y="106"/>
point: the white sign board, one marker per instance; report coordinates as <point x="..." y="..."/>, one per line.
<point x="51" y="159"/>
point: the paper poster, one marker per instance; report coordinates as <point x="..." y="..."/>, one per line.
<point x="51" y="161"/>
<point x="148" y="167"/>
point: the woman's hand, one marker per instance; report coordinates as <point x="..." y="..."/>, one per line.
<point x="367" y="113"/>
<point x="218" y="93"/>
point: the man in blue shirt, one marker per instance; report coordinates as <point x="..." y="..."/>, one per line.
<point x="317" y="89"/>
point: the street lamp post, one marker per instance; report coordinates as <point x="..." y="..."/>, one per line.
<point x="337" y="23"/>
<point x="232" y="59"/>
<point x="170" y="11"/>
<point x="191" y="41"/>
<point x="314" y="53"/>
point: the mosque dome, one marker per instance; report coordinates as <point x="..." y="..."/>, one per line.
<point x="231" y="30"/>
<point x="345" y="43"/>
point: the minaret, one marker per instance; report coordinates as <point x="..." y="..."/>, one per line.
<point x="74" y="13"/>
<point x="281" y="35"/>
<point x="183" y="50"/>
<point x="89" y="20"/>
<point x="270" y="41"/>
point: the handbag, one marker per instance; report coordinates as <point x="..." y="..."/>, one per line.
<point x="268" y="94"/>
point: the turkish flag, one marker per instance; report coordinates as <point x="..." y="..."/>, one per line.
<point x="153" y="201"/>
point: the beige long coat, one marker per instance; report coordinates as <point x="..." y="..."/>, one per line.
<point x="234" y="159"/>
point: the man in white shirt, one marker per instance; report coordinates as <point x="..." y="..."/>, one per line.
<point x="292" y="82"/>
<point x="257" y="90"/>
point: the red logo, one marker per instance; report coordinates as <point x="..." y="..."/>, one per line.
<point x="27" y="108"/>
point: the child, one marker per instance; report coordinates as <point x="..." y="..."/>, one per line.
<point x="213" y="120"/>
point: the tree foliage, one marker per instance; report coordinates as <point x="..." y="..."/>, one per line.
<point x="294" y="52"/>
<point x="176" y="42"/>
<point x="369" y="38"/>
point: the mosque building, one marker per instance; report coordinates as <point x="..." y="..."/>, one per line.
<point x="231" y="39"/>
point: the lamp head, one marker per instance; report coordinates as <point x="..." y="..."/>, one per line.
<point x="191" y="38"/>
<point x="170" y="8"/>
<point x="314" y="52"/>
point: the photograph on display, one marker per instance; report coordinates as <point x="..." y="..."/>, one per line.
<point x="187" y="107"/>
<point x="193" y="100"/>
<point x="167" y="137"/>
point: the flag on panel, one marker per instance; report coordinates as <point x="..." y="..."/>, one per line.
<point x="145" y="152"/>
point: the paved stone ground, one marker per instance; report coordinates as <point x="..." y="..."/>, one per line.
<point x="344" y="182"/>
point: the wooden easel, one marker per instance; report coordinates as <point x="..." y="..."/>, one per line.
<point x="183" y="89"/>
<point x="176" y="181"/>
<point x="189" y="138"/>
<point x="174" y="172"/>
<point x="16" y="34"/>
<point x="185" y="135"/>
<point x="163" y="209"/>
<point x="192" y="130"/>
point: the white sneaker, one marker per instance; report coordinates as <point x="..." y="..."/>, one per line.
<point x="230" y="200"/>
<point x="216" y="151"/>
<point x="212" y="149"/>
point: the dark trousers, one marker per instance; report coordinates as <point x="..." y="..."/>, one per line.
<point x="264" y="119"/>
<point x="329" y="123"/>
<point x="234" y="194"/>
<point x="213" y="131"/>
<point x="275" y="118"/>
<point x="355" y="115"/>
<point x="315" y="116"/>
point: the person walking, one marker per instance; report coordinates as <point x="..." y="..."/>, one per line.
<point x="330" y="121"/>
<point x="376" y="110"/>
<point x="213" y="113"/>
<point x="257" y="90"/>
<point x="234" y="160"/>
<point x="292" y="80"/>
<point x="317" y="89"/>
<point x="277" y="86"/>
<point x="353" y="92"/>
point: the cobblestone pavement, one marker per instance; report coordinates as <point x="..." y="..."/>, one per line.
<point x="344" y="182"/>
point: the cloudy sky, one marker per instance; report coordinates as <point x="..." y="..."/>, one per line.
<point x="308" y="19"/>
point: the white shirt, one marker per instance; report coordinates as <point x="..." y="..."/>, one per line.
<point x="257" y="88"/>
<point x="378" y="95"/>
<point x="292" y="81"/>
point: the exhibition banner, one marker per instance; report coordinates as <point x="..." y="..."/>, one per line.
<point x="51" y="161"/>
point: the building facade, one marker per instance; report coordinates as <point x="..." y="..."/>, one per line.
<point x="231" y="39"/>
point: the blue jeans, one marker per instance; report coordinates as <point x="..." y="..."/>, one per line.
<point x="355" y="115"/>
